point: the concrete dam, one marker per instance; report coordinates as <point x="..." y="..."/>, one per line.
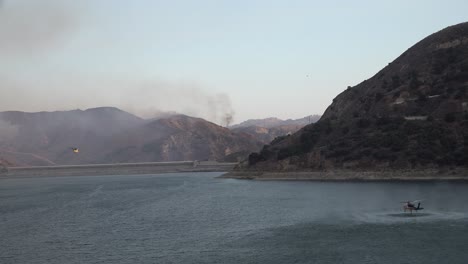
<point x="117" y="169"/>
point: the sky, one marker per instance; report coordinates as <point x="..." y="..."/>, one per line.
<point x="212" y="59"/>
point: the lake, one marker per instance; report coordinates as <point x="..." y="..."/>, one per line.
<point x="198" y="218"/>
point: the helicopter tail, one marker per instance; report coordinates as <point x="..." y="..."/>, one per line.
<point x="419" y="207"/>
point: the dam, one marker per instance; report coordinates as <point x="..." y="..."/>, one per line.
<point x="118" y="169"/>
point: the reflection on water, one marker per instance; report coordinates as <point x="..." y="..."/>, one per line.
<point x="410" y="215"/>
<point x="389" y="217"/>
<point x="197" y="218"/>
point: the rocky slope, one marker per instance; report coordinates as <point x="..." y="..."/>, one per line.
<point x="108" y="134"/>
<point x="180" y="137"/>
<point x="411" y="114"/>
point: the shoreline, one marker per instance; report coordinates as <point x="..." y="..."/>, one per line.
<point x="416" y="175"/>
<point x="422" y="175"/>
<point x="116" y="169"/>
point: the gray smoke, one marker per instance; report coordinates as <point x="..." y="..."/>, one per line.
<point x="228" y="118"/>
<point x="150" y="98"/>
<point x="7" y="131"/>
<point x="220" y="109"/>
<point x="28" y="26"/>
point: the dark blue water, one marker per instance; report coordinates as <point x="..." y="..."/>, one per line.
<point x="196" y="218"/>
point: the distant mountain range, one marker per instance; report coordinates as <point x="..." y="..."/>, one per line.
<point x="411" y="114"/>
<point x="266" y="130"/>
<point x="276" y="122"/>
<point x="110" y="135"/>
<point x="266" y="135"/>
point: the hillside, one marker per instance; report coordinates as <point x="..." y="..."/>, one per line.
<point x="46" y="138"/>
<point x="179" y="137"/>
<point x="266" y="130"/>
<point x="411" y="114"/>
<point x="108" y="134"/>
<point x="266" y="135"/>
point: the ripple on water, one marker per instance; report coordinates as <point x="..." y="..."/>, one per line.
<point x="409" y="215"/>
<point x="399" y="217"/>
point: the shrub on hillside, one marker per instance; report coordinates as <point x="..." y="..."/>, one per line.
<point x="255" y="157"/>
<point x="396" y="82"/>
<point x="288" y="152"/>
<point x="378" y="96"/>
<point x="279" y="139"/>
<point x="364" y="123"/>
<point x="450" y="117"/>
<point x="384" y="155"/>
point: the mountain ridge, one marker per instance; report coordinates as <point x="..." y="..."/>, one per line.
<point x="270" y="122"/>
<point x="411" y="114"/>
<point x="108" y="134"/>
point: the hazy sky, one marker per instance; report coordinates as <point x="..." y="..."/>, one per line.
<point x="254" y="59"/>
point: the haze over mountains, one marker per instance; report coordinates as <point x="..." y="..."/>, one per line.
<point x="411" y="114"/>
<point x="110" y="135"/>
<point x="266" y="130"/>
<point x="276" y="122"/>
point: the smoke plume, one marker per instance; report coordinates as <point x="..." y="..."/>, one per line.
<point x="147" y="99"/>
<point x="28" y="27"/>
<point x="7" y="131"/>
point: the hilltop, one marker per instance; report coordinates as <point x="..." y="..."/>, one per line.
<point x="413" y="114"/>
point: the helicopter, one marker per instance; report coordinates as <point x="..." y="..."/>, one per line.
<point x="75" y="150"/>
<point x="411" y="206"/>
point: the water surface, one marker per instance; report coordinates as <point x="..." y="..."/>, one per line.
<point x="197" y="218"/>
